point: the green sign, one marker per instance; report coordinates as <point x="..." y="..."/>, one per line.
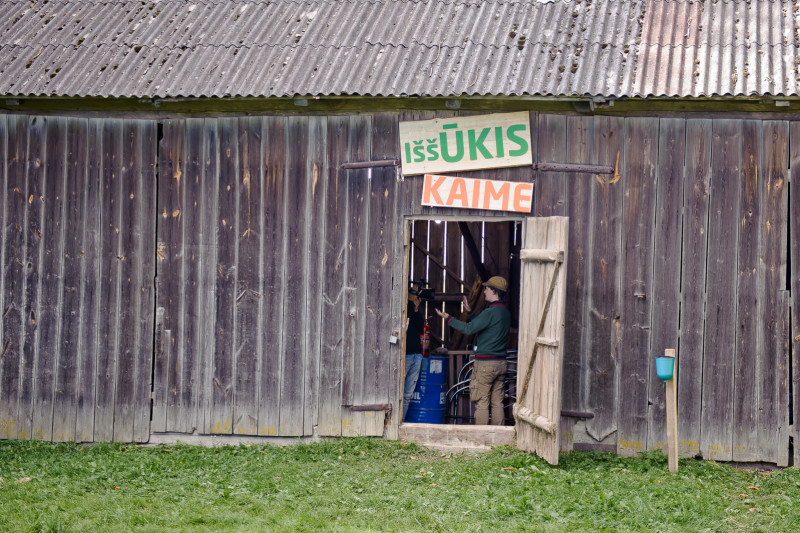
<point x="466" y="143"/>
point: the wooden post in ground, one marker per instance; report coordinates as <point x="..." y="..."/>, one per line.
<point x="672" y="414"/>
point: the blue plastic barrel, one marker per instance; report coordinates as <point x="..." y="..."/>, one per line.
<point x="427" y="405"/>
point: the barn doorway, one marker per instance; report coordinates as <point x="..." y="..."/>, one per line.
<point x="447" y="260"/>
<point x="531" y="254"/>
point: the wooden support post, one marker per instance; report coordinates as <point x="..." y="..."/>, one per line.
<point x="672" y="414"/>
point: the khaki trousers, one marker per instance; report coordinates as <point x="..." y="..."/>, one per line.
<point x="486" y="388"/>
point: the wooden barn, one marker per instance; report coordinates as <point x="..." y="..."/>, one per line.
<point x="212" y="211"/>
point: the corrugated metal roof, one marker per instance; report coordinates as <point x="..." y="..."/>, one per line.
<point x="218" y="48"/>
<point x="722" y="48"/>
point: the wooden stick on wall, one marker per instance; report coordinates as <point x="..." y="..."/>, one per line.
<point x="672" y="414"/>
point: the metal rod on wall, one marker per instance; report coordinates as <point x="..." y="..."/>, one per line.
<point x="371" y="164"/>
<point x="570" y="167"/>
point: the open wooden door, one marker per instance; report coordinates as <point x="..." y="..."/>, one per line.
<point x="541" y="330"/>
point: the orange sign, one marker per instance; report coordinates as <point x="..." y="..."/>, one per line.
<point x="448" y="191"/>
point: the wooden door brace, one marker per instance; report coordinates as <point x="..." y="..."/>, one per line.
<point x="521" y="412"/>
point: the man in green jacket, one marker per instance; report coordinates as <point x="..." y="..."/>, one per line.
<point x="488" y="374"/>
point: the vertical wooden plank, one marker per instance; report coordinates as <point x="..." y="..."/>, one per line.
<point x="693" y="282"/>
<point x="452" y="259"/>
<point x="419" y="264"/>
<point x="180" y="352"/>
<point x="772" y="365"/>
<point x="110" y="272"/>
<point x="169" y="283"/>
<point x="50" y="281"/>
<point x="207" y="298"/>
<point x="14" y="261"/>
<point x="358" y="190"/>
<point x="145" y="246"/>
<point x="665" y="302"/>
<point x="185" y="224"/>
<point x="550" y="189"/>
<point x="782" y="329"/>
<point x="603" y="286"/>
<point x="672" y="416"/>
<point x="333" y="289"/>
<point x="396" y="364"/>
<point x="273" y="261"/>
<point x="248" y="291"/>
<point x="496" y="248"/>
<point x="3" y="220"/>
<point x="72" y="189"/>
<point x="91" y="280"/>
<point x="4" y="194"/>
<point x="721" y="304"/>
<point x="634" y="356"/>
<point x="745" y="366"/>
<point x="794" y="284"/>
<point x="295" y="353"/>
<point x="129" y="228"/>
<point x="317" y="171"/>
<point x="35" y="191"/>
<point x="579" y="209"/>
<point x="224" y="358"/>
<point x="453" y="254"/>
<point x="379" y="355"/>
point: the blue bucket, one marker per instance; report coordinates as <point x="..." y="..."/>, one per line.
<point x="665" y="367"/>
<point x="427" y="405"/>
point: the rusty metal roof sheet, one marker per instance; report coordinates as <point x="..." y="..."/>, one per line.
<point x="269" y="48"/>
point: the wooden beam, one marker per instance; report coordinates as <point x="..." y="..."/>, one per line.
<point x="536" y="420"/>
<point x="474" y="253"/>
<point x="546" y="341"/>
<point x="542" y="256"/>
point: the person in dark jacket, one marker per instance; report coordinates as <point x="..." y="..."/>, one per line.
<point x="413" y="350"/>
<point x="488" y="374"/>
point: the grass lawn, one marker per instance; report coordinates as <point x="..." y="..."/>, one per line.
<point x="377" y="485"/>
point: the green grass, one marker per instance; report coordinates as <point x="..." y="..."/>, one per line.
<point x="377" y="485"/>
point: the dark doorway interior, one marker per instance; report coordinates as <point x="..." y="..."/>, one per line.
<point x="453" y="258"/>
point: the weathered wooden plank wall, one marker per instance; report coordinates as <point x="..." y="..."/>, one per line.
<point x="77" y="271"/>
<point x="638" y="221"/>
<point x="793" y="227"/>
<point x="279" y="275"/>
<point x="716" y="431"/>
<point x="773" y="329"/>
<point x="603" y="287"/>
<point x="666" y="289"/>
<point x="693" y="278"/>
<point x="578" y="209"/>
<point x="688" y="249"/>
<point x="303" y="256"/>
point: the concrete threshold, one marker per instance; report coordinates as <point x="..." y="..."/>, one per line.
<point x="458" y="438"/>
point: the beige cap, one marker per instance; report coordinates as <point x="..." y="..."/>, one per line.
<point x="497" y="282"/>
